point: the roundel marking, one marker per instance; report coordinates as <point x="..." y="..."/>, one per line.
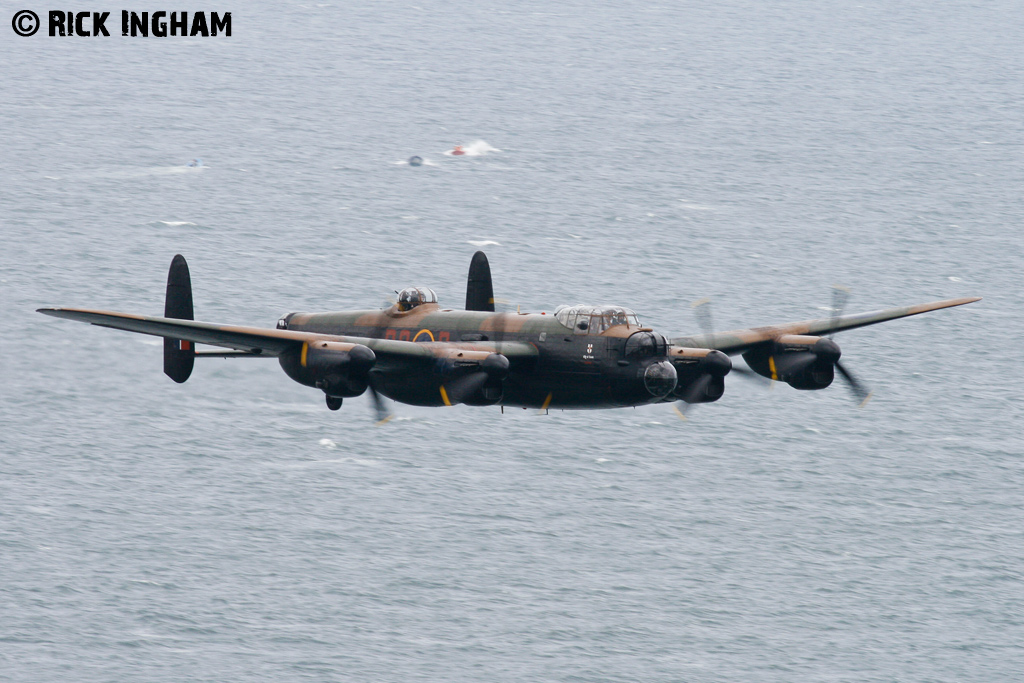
<point x="421" y="332"/>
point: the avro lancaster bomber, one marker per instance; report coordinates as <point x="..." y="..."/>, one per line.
<point x="578" y="357"/>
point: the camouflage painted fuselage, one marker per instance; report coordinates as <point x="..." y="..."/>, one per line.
<point x="571" y="369"/>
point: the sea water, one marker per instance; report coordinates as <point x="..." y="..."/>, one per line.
<point x="233" y="528"/>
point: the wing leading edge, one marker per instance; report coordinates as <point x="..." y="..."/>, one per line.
<point x="740" y="341"/>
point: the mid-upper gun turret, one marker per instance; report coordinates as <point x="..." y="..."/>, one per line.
<point x="411" y="297"/>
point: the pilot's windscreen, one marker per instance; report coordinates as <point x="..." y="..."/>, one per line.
<point x="594" y="319"/>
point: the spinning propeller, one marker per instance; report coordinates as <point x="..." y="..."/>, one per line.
<point x="840" y="297"/>
<point x="794" y="359"/>
<point x="821" y="355"/>
<point x="383" y="414"/>
<point x="702" y="312"/>
<point x="716" y="365"/>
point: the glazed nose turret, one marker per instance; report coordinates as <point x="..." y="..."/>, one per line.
<point x="660" y="378"/>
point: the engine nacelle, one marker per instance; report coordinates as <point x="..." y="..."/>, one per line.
<point x="816" y="377"/>
<point x="706" y="366"/>
<point x="495" y="367"/>
<point x="338" y="369"/>
<point x="801" y="361"/>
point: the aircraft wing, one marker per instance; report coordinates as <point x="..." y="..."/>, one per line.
<point x="740" y="341"/>
<point x="249" y="339"/>
<point x="258" y="341"/>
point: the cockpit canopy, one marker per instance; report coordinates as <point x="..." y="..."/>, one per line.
<point x="411" y="297"/>
<point x="594" y="319"/>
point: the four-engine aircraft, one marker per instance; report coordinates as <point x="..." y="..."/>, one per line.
<point x="578" y="357"/>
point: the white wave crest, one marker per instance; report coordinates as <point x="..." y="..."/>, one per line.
<point x="477" y="148"/>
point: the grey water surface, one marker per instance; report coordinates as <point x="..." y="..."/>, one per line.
<point x="648" y="155"/>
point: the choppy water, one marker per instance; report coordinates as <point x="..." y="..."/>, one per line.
<point x="234" y="529"/>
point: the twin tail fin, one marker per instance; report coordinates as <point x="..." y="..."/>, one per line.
<point x="179" y="355"/>
<point x="479" y="292"/>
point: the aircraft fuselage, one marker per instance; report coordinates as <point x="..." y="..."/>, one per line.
<point x="574" y="368"/>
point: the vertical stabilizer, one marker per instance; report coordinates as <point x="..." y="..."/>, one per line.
<point x="479" y="293"/>
<point x="179" y="355"/>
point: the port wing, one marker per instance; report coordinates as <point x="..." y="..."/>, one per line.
<point x="258" y="341"/>
<point x="739" y="341"/>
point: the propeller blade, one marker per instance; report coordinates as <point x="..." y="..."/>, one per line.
<point x="858" y="389"/>
<point x="705" y="319"/>
<point x="840" y="296"/>
<point x="702" y="312"/>
<point x="686" y="404"/>
<point x="694" y="391"/>
<point x="383" y="414"/>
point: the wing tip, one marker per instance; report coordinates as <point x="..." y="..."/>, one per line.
<point x="956" y="302"/>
